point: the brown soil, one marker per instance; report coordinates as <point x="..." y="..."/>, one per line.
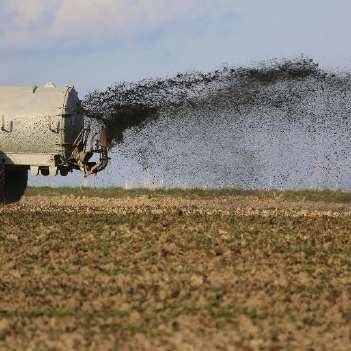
<point x="175" y="273"/>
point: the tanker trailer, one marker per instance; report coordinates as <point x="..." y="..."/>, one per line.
<point x="42" y="130"/>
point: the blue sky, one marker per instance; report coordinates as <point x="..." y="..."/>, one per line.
<point x="93" y="43"/>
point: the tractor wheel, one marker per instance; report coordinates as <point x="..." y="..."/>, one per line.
<point x="2" y="183"/>
<point x="13" y="183"/>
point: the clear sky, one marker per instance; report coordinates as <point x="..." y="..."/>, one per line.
<point x="93" y="43"/>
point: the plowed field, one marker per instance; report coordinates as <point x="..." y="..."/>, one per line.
<point x="176" y="271"/>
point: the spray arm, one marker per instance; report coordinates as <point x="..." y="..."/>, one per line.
<point x="80" y="156"/>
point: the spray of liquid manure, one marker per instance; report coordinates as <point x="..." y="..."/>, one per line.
<point x="282" y="123"/>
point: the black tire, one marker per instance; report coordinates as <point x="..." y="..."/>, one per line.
<point x="2" y="183"/>
<point x="13" y="184"/>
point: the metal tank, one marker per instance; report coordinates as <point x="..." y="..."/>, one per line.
<point x="42" y="130"/>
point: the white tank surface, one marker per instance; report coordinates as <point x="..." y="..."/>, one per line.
<point x="42" y="129"/>
<point x="38" y="120"/>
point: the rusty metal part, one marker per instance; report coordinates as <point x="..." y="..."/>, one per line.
<point x="80" y="157"/>
<point x="105" y="139"/>
<point x="102" y="146"/>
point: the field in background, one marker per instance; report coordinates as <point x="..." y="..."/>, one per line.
<point x="293" y="195"/>
<point x="171" y="269"/>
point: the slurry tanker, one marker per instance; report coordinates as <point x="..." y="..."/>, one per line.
<point x="42" y="130"/>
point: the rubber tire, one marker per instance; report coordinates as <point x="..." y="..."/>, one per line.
<point x="13" y="184"/>
<point x="2" y="183"/>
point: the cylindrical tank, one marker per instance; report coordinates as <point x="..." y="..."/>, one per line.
<point x="42" y="129"/>
<point x="38" y="126"/>
<point x="37" y="122"/>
